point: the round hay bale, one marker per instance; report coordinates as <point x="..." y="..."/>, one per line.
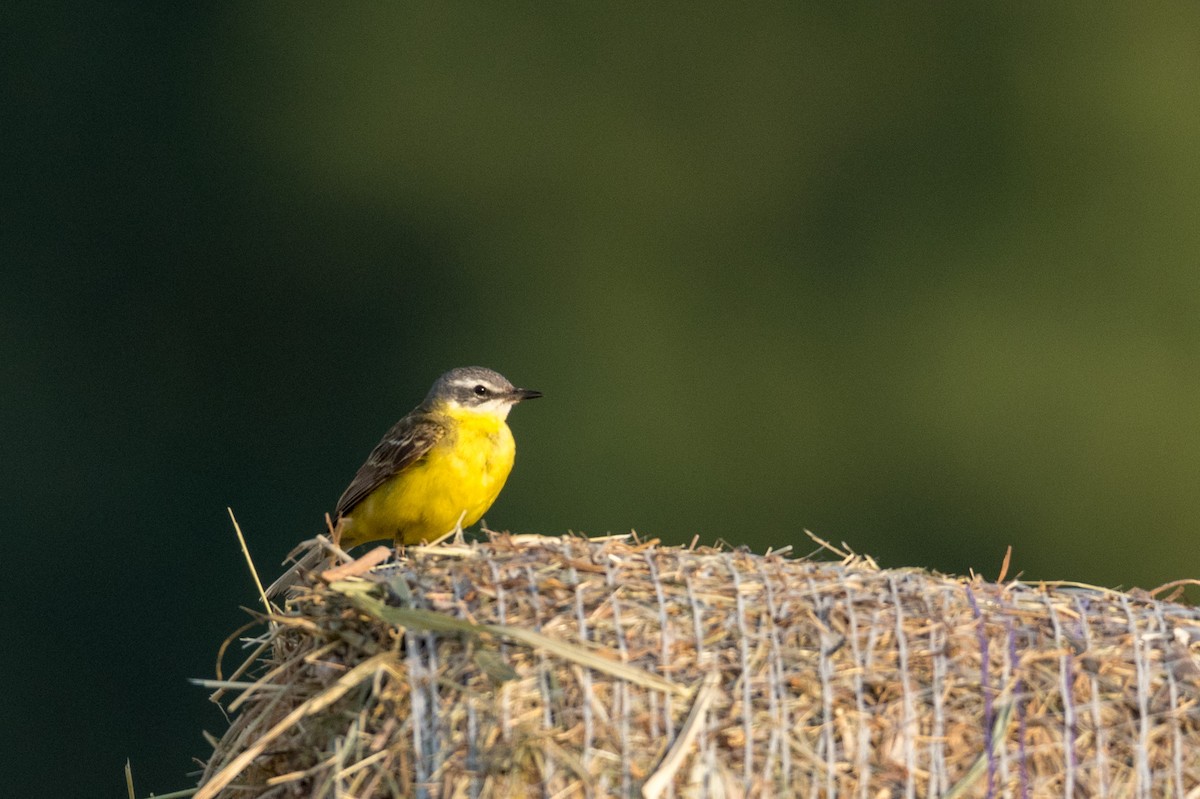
<point x="610" y="667"/>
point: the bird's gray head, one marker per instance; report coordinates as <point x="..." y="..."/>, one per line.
<point x="477" y="389"/>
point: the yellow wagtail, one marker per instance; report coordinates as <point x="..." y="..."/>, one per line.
<point x="440" y="467"/>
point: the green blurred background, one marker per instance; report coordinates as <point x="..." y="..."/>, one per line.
<point x="921" y="280"/>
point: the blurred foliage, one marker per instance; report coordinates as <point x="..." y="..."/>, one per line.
<point x="924" y="281"/>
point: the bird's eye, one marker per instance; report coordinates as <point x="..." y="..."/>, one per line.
<point x="481" y="391"/>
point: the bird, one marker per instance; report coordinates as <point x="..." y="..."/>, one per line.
<point x="439" y="468"/>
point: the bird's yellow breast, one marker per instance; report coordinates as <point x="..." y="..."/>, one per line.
<point x="458" y="479"/>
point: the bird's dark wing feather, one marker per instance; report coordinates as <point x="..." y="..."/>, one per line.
<point x="407" y="442"/>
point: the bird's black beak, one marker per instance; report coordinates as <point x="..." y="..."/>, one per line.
<point x="519" y="394"/>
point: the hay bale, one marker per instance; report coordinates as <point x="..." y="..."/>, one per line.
<point x="571" y="667"/>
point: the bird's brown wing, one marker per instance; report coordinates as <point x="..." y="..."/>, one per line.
<point x="406" y="443"/>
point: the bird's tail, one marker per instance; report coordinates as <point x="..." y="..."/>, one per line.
<point x="308" y="555"/>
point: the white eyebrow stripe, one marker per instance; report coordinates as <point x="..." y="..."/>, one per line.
<point x="462" y="383"/>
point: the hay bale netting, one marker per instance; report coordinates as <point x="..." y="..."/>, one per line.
<point x="495" y="669"/>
